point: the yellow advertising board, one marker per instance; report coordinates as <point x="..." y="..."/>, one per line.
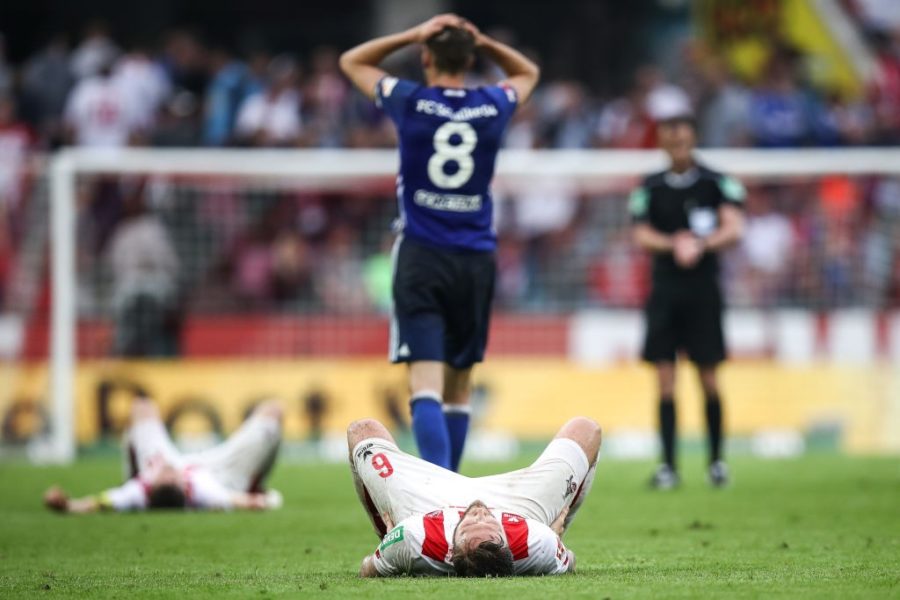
<point x="527" y="398"/>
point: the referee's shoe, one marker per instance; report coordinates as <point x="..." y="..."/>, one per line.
<point x="665" y="478"/>
<point x="718" y="474"/>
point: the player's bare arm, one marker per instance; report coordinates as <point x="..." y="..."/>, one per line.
<point x="56" y="499"/>
<point x="256" y="502"/>
<point x="360" y="64"/>
<point x="522" y="74"/>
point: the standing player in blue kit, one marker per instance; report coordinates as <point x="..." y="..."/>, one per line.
<point x="444" y="266"/>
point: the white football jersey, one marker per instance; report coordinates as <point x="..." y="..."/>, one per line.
<point x="101" y="113"/>
<point x="203" y="491"/>
<point x="422" y="545"/>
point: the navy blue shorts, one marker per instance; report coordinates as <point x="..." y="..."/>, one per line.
<point x="442" y="304"/>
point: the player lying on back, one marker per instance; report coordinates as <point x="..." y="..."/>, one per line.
<point x="444" y="265"/>
<point x="229" y="476"/>
<point x="437" y="522"/>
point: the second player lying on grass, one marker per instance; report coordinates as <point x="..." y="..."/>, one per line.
<point x="228" y="476"/>
<point x="437" y="522"/>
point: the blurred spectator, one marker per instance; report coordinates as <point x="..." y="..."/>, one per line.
<point x="884" y="91"/>
<point x="16" y="141"/>
<point x="272" y="117"/>
<point x="779" y="111"/>
<point x="145" y="271"/>
<point x="95" y="52"/>
<point x="184" y="61"/>
<point x="325" y="97"/>
<point x="251" y="266"/>
<point x="627" y="122"/>
<point x="46" y="81"/>
<point x="230" y="84"/>
<point x="144" y="83"/>
<point x="620" y="276"/>
<point x="378" y="273"/>
<point x="339" y="274"/>
<point x="99" y="113"/>
<point x="767" y="247"/>
<point x="178" y="125"/>
<point x="567" y="121"/>
<point x="292" y="270"/>
<point x="724" y="110"/>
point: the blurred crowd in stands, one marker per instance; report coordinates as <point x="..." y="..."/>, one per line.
<point x="823" y="243"/>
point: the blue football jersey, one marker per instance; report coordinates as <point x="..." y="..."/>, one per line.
<point x="449" y="139"/>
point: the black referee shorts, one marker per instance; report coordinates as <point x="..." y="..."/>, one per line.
<point x="686" y="319"/>
<point x="442" y="304"/>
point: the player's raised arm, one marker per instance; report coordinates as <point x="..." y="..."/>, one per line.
<point x="360" y="64"/>
<point x="522" y="74"/>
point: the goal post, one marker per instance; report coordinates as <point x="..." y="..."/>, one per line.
<point x="349" y="169"/>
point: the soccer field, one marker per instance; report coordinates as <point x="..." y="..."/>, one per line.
<point x="820" y="526"/>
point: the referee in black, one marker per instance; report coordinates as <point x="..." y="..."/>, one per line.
<point x="685" y="216"/>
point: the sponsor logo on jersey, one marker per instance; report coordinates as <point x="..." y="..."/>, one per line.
<point x="448" y="202"/>
<point x="403" y="351"/>
<point x="394" y="535"/>
<point x="365" y="452"/>
<point x="455" y="93"/>
<point x="467" y="113"/>
<point x="571" y="487"/>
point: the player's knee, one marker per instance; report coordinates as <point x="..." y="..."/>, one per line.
<point x="143" y="409"/>
<point x="363" y="429"/>
<point x="272" y="409"/>
<point x="586" y="433"/>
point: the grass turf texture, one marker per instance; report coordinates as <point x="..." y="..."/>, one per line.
<point x="820" y="526"/>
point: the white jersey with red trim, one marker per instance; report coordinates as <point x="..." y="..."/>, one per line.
<point x="421" y="545"/>
<point x="202" y="491"/>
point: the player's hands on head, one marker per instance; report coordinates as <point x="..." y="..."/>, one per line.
<point x="469" y="26"/>
<point x="56" y="499"/>
<point x="687" y="249"/>
<point x="435" y="25"/>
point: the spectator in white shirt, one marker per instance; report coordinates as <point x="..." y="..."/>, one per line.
<point x="272" y="117"/>
<point x="100" y="113"/>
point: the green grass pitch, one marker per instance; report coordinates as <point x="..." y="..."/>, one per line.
<point x="820" y="526"/>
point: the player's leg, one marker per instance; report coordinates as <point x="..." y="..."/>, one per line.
<point x="660" y="347"/>
<point x="417" y="338"/>
<point x="457" y="389"/>
<point x="244" y="461"/>
<point x="709" y="382"/>
<point x="665" y="382"/>
<point x="561" y="476"/>
<point x="357" y="432"/>
<point x="147" y="437"/>
<point x="588" y="435"/>
<point x="468" y="321"/>
<point x="429" y="423"/>
<point x="706" y="348"/>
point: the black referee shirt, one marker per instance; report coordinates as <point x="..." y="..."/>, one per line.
<point x="671" y="202"/>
